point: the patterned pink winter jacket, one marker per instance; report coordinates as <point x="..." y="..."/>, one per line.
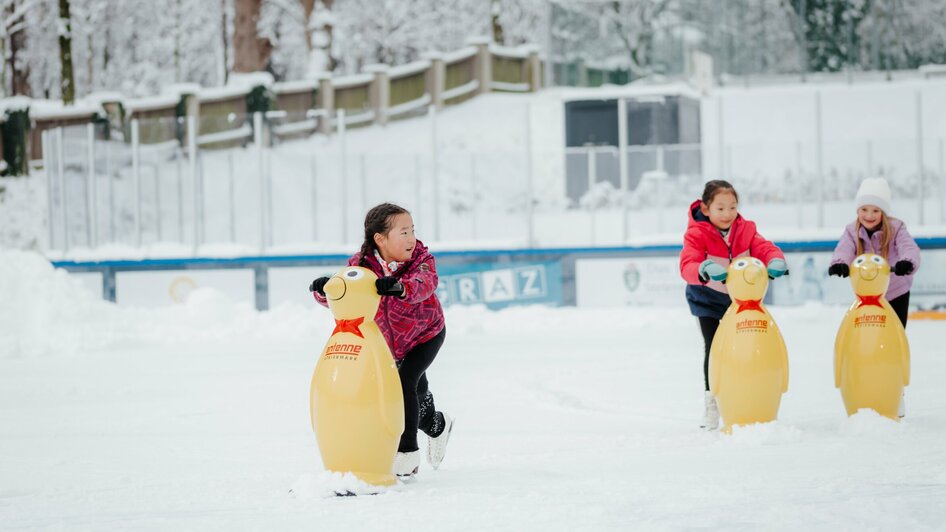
<point x="902" y="247"/>
<point x="417" y="317"/>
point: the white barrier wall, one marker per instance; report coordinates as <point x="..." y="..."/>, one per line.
<point x="291" y="284"/>
<point x="157" y="288"/>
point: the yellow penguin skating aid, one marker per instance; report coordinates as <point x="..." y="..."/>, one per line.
<point x="356" y="403"/>
<point x="748" y="368"/>
<point x="871" y="353"/>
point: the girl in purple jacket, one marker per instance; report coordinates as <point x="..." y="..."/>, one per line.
<point x="874" y="231"/>
<point x="411" y="319"/>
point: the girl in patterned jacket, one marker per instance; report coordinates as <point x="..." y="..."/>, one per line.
<point x="874" y="231"/>
<point x="411" y="319"/>
<point x="716" y="233"/>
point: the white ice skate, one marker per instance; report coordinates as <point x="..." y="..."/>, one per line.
<point x="902" y="409"/>
<point x="406" y="465"/>
<point x="711" y="412"/>
<point x="437" y="447"/>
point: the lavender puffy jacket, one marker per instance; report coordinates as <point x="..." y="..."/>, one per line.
<point x="902" y="247"/>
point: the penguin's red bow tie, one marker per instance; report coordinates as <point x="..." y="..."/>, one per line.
<point x="749" y="304"/>
<point x="350" y="326"/>
<point x="867" y="301"/>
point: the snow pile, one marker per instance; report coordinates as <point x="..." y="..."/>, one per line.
<point x="867" y="422"/>
<point x="332" y="484"/>
<point x="46" y="311"/>
<point x="772" y="433"/>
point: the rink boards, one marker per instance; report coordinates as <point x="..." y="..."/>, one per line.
<point x="587" y="277"/>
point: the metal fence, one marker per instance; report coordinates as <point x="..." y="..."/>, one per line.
<point x="257" y="191"/>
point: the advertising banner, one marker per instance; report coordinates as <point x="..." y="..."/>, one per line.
<point x="629" y="282"/>
<point x="499" y="285"/>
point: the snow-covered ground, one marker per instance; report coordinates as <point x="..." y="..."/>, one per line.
<point x="195" y="417"/>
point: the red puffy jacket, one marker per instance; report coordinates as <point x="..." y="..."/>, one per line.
<point x="417" y="317"/>
<point x="702" y="241"/>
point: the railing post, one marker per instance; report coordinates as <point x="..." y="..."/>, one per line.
<point x="819" y="158"/>
<point x="46" y="135"/>
<point x="435" y="170"/>
<point x="192" y="159"/>
<point x="63" y="209"/>
<point x="326" y="102"/>
<point x="136" y="176"/>
<point x="340" y="118"/>
<point x="263" y="211"/>
<point x="622" y="165"/>
<point x="530" y="183"/>
<point x="483" y="64"/>
<point x="533" y="67"/>
<point x="435" y="78"/>
<point x="91" y="211"/>
<point x="921" y="188"/>
<point x="379" y="92"/>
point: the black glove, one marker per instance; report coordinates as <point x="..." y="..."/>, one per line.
<point x="389" y="286"/>
<point x="903" y="267"/>
<point x="840" y="269"/>
<point x="318" y="285"/>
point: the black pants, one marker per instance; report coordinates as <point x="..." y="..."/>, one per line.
<point x="419" y="411"/>
<point x="708" y="327"/>
<point x="901" y="305"/>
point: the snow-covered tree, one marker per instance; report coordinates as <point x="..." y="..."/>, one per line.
<point x="828" y="31"/>
<point x="904" y="34"/>
<point x="251" y="51"/>
<point x="14" y="74"/>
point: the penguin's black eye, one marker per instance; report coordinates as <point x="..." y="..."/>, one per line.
<point x="740" y="264"/>
<point x="354" y="274"/>
<point x="877" y="260"/>
<point x="859" y="260"/>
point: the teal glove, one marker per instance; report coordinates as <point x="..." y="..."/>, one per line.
<point x="777" y="268"/>
<point x="711" y="270"/>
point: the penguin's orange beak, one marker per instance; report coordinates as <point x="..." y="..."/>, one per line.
<point x="335" y="288"/>
<point x="752" y="275"/>
<point x="869" y="271"/>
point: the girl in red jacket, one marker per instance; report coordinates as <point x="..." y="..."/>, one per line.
<point x="411" y="319"/>
<point x="717" y="233"/>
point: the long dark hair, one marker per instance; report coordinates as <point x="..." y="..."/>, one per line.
<point x="378" y="220"/>
<point x="714" y="187"/>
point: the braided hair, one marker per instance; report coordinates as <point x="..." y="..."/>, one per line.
<point x="378" y="220"/>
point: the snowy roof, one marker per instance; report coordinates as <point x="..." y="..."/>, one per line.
<point x="105" y="96"/>
<point x="352" y="81"/>
<point x="151" y="104"/>
<point x="15" y="103"/>
<point x="284" y="87"/>
<point x="409" y="69"/>
<point x="459" y="55"/>
<point x="182" y="88"/>
<point x="624" y="91"/>
<point x="520" y="52"/>
<point x="251" y="79"/>
<point x="52" y="109"/>
<point x="221" y="93"/>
